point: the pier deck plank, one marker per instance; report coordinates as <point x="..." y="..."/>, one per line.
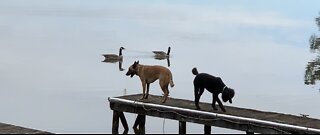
<point x="12" y="129"/>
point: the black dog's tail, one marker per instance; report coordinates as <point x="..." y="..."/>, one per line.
<point x="195" y="71"/>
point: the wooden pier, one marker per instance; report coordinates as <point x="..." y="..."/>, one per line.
<point x="12" y="129"/>
<point x="248" y="120"/>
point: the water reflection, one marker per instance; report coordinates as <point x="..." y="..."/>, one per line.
<point x="115" y="61"/>
<point x="158" y="55"/>
<point x="163" y="58"/>
<point x="312" y="73"/>
<point x="121" y="61"/>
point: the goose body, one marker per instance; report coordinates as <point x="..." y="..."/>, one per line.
<point x="114" y="57"/>
<point x="162" y="54"/>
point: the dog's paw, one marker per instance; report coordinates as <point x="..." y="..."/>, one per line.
<point x="145" y="97"/>
<point x="140" y="99"/>
<point x="163" y="101"/>
<point x="224" y="110"/>
<point x="214" y="108"/>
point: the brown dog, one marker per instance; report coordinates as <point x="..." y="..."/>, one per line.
<point x="149" y="74"/>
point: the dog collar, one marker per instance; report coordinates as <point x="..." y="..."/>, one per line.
<point x="224" y="88"/>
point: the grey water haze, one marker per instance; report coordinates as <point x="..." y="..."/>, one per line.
<point x="52" y="77"/>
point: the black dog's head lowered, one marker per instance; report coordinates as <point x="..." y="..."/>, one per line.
<point x="227" y="95"/>
<point x="133" y="69"/>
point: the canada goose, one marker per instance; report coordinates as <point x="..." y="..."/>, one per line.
<point x="162" y="53"/>
<point x="114" y="57"/>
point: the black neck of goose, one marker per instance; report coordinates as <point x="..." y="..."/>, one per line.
<point x="168" y="51"/>
<point x="120" y="52"/>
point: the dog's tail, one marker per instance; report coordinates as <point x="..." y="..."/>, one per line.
<point x="171" y="81"/>
<point x="195" y="71"/>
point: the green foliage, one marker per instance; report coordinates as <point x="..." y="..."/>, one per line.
<point x="312" y="73"/>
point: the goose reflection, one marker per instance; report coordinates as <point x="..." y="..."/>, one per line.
<point x="120" y="64"/>
<point x="163" y="58"/>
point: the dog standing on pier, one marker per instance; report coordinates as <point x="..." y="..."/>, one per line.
<point x="149" y="74"/>
<point x="214" y="85"/>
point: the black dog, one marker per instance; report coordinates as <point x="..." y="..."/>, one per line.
<point x="214" y="85"/>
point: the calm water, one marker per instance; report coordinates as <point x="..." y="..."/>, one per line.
<point x="52" y="77"/>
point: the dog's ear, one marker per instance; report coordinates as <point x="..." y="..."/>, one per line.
<point x="134" y="64"/>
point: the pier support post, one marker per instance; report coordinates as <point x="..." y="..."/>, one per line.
<point x="124" y="122"/>
<point x="182" y="127"/>
<point x="115" y="122"/>
<point x="140" y="121"/>
<point x="249" y="132"/>
<point x="207" y="129"/>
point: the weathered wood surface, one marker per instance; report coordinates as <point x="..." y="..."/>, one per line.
<point x="216" y="121"/>
<point x="11" y="129"/>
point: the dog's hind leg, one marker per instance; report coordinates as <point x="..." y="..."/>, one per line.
<point x="165" y="91"/>
<point x="164" y="83"/>
<point x="197" y="94"/>
<point x="196" y="97"/>
<point x="166" y="94"/>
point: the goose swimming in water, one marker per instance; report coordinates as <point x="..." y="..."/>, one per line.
<point x="114" y="57"/>
<point x="162" y="53"/>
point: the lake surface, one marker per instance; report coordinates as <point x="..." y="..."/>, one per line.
<point x="52" y="77"/>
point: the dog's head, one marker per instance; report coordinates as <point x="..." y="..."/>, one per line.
<point x="133" y="69"/>
<point x="227" y="95"/>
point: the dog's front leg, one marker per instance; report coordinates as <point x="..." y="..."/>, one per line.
<point x="144" y="89"/>
<point x="147" y="92"/>
<point x="214" y="100"/>
<point x="220" y="104"/>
